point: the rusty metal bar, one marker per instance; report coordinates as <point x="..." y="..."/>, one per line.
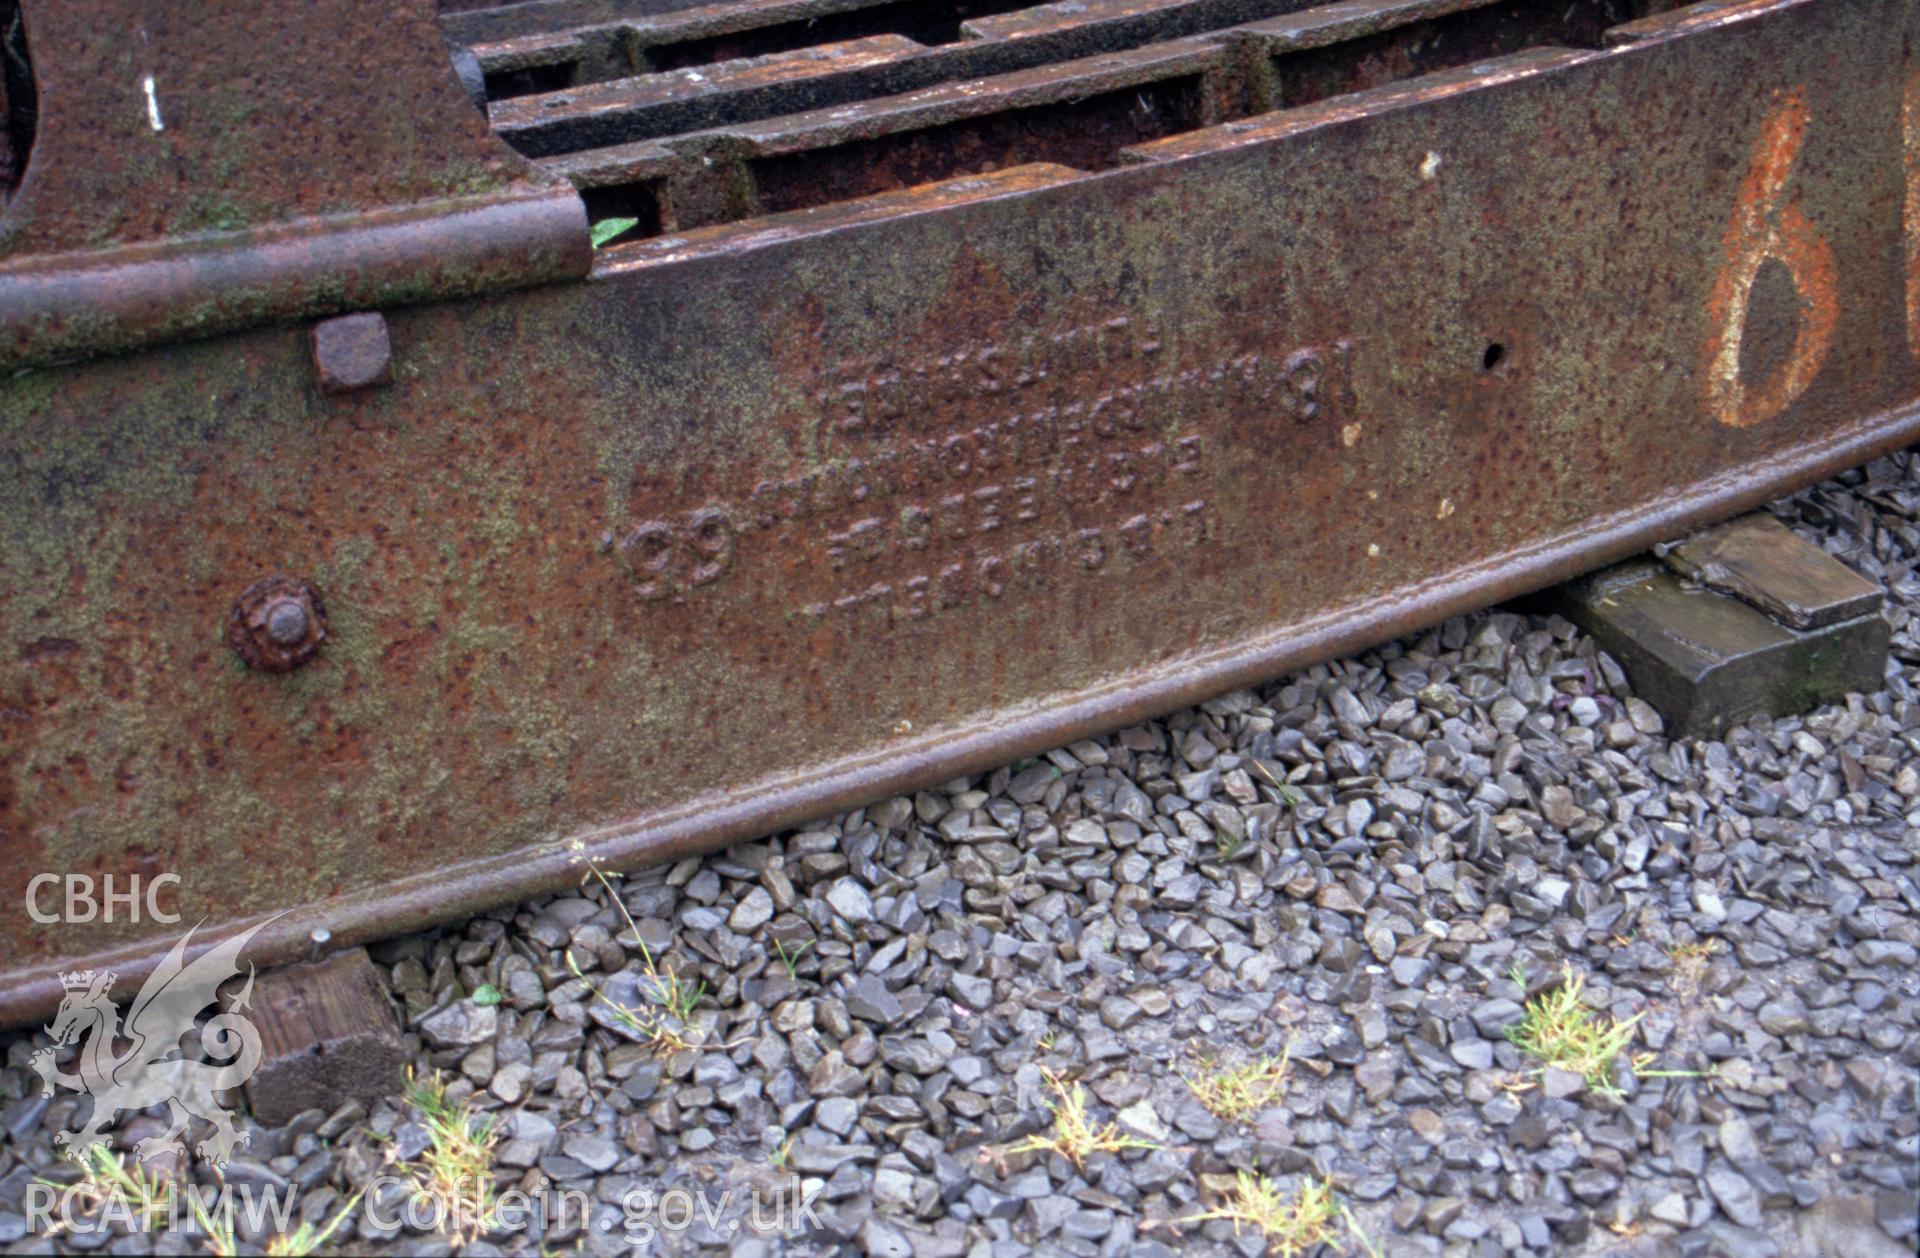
<point x="779" y="515"/>
<point x="680" y="100"/>
<point x="525" y="47"/>
<point x="1052" y="85"/>
<point x="166" y="196"/>
<point x="67" y="306"/>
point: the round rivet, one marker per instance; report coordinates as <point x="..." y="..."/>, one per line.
<point x="277" y="624"/>
<point x="287" y="622"/>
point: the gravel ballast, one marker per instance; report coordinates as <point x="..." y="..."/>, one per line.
<point x="1368" y="867"/>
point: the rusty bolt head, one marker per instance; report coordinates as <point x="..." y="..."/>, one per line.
<point x="352" y="352"/>
<point x="278" y="624"/>
<point x="287" y="622"/>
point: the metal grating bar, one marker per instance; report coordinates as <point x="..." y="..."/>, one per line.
<point x="860" y="97"/>
<point x="1088" y="113"/>
<point x="632" y="107"/>
<point x="681" y="100"/>
<point x="521" y="59"/>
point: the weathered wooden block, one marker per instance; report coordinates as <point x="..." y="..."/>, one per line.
<point x="328" y="1035"/>
<point x="1760" y="561"/>
<point x="1794" y="627"/>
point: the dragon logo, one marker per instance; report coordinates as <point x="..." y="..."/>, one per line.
<point x="153" y="1069"/>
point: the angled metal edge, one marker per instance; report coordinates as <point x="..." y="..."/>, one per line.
<point x="72" y="306"/>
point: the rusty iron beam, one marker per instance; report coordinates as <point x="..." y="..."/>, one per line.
<point x="779" y="516"/>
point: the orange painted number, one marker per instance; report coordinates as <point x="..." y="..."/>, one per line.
<point x="1765" y="227"/>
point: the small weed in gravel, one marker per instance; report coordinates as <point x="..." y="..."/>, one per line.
<point x="1292" y="1224"/>
<point x="1566" y="1035"/>
<point x="1290" y="796"/>
<point x="1074" y="1135"/>
<point x="1234" y="1092"/>
<point x="306" y="1239"/>
<point x="303" y="1242"/>
<point x="791" y="960"/>
<point x="661" y="1028"/>
<point x="1690" y="962"/>
<point x="456" y="1171"/>
<point x="108" y="1177"/>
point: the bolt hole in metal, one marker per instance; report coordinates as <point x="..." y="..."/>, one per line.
<point x="19" y="100"/>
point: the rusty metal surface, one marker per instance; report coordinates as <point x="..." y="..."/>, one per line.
<point x="199" y="168"/>
<point x="779" y="515"/>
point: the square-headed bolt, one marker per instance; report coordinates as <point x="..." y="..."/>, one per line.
<point x="351" y="352"/>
